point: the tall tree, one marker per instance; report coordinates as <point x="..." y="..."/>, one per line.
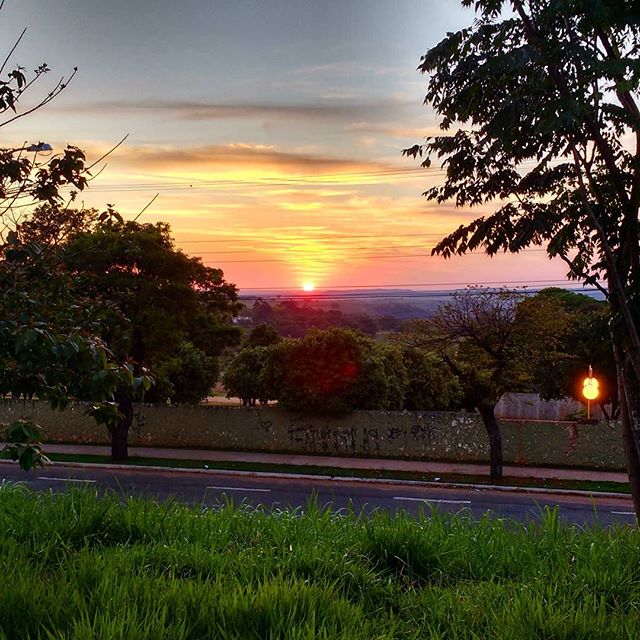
<point x="545" y="98"/>
<point x="162" y="304"/>
<point x="477" y="336"/>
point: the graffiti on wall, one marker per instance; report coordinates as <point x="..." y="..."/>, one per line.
<point x="353" y="440"/>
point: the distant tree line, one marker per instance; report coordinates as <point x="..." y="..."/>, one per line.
<point x="292" y="319"/>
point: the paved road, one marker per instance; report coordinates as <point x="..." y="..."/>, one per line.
<point x="213" y="488"/>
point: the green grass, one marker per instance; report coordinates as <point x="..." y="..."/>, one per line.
<point x="583" y="485"/>
<point x="78" y="566"/>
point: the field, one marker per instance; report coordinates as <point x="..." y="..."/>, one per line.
<point x="79" y="567"/>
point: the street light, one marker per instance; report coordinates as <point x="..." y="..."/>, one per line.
<point x="590" y="390"/>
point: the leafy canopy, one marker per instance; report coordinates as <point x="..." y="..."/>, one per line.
<point x="334" y="371"/>
<point x="170" y="313"/>
<point x="479" y="339"/>
<point x="537" y="103"/>
<point x="563" y="335"/>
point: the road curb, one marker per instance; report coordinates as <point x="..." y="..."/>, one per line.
<point x="382" y="481"/>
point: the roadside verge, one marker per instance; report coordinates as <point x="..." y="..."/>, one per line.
<point x="451" y="474"/>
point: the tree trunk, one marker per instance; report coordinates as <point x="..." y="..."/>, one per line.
<point x="495" y="441"/>
<point x="120" y="431"/>
<point x="629" y="399"/>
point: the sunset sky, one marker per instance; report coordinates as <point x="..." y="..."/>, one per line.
<point x="272" y="131"/>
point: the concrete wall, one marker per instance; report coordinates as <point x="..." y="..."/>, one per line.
<point x="429" y="436"/>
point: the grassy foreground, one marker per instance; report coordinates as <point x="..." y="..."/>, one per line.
<point x="80" y="567"/>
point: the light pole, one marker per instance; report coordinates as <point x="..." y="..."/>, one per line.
<point x="590" y="390"/>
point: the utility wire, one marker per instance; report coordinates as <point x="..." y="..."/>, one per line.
<point x="300" y="252"/>
<point x="196" y="183"/>
<point x="326" y="178"/>
<point x="328" y="288"/>
<point x="317" y="237"/>
<point x="433" y="295"/>
<point x="322" y="259"/>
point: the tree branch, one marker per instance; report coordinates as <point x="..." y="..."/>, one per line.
<point x="15" y="45"/>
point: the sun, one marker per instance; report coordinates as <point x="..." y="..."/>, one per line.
<point x="308" y="286"/>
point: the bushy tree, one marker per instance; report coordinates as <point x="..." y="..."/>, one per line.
<point x="565" y="333"/>
<point x="396" y="377"/>
<point x="544" y="99"/>
<point x="169" y="314"/>
<point x="244" y="376"/>
<point x="183" y="376"/>
<point x="49" y="348"/>
<point x="335" y="371"/>
<point x="262" y="335"/>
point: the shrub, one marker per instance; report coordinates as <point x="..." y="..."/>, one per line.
<point x="334" y="371"/>
<point x="243" y="377"/>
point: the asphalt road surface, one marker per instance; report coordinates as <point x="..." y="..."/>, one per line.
<point x="215" y="488"/>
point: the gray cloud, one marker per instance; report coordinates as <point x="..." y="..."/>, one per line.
<point x="202" y="110"/>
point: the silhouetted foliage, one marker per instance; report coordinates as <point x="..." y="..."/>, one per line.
<point x="49" y="347"/>
<point x="244" y="376"/>
<point x="545" y="95"/>
<point x="184" y="376"/>
<point x="264" y="335"/>
<point x="431" y="385"/>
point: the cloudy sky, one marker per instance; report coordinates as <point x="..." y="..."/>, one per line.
<point x="271" y="129"/>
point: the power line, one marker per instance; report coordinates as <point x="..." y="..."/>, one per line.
<point x="326" y="178"/>
<point x="320" y="237"/>
<point x="322" y="259"/>
<point x="328" y="288"/>
<point x="298" y="253"/>
<point x="132" y="188"/>
<point x="328" y="259"/>
<point x="433" y="295"/>
<point x="195" y="183"/>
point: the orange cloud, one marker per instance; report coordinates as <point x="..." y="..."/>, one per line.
<point x="243" y="156"/>
<point x="241" y="165"/>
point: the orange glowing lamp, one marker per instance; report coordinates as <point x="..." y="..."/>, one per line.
<point x="590" y="386"/>
<point x="590" y="390"/>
